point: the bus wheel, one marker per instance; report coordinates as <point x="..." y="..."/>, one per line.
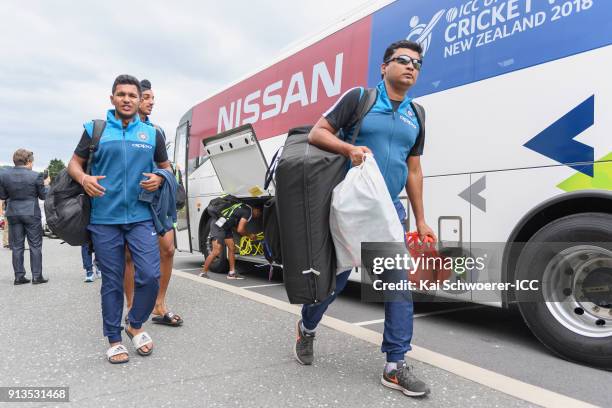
<point x="571" y="312"/>
<point x="220" y="264"/>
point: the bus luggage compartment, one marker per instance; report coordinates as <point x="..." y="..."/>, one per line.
<point x="241" y="168"/>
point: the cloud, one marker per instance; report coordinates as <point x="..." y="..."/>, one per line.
<point x="60" y="58"/>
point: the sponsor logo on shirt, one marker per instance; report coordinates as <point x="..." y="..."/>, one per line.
<point x="408" y="121"/>
<point x="142" y="146"/>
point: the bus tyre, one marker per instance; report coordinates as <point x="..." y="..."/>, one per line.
<point x="220" y="264"/>
<point x="571" y="312"/>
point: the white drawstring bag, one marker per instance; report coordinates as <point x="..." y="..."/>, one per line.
<point x="362" y="211"/>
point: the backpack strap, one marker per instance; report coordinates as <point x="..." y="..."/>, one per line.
<point x="98" y="129"/>
<point x="367" y="100"/>
<point x="420" y="115"/>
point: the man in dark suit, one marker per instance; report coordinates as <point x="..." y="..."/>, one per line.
<point x="22" y="188"/>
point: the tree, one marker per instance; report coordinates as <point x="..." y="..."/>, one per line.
<point x="55" y="166"/>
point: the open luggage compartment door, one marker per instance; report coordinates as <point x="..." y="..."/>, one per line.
<point x="238" y="161"/>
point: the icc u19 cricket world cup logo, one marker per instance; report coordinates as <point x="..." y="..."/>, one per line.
<point x="421" y="33"/>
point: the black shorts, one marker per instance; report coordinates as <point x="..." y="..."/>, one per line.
<point x="218" y="233"/>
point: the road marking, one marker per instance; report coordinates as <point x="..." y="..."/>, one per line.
<point x="507" y="385"/>
<point x="261" y="286"/>
<point x="439" y="312"/>
<point x="369" y="322"/>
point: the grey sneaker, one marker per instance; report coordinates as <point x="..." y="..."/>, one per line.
<point x="404" y="380"/>
<point x="303" y="349"/>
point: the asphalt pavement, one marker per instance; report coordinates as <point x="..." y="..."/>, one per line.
<point x="236" y="351"/>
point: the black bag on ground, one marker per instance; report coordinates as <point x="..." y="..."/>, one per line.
<point x="217" y="205"/>
<point x="305" y="178"/>
<point x="271" y="231"/>
<point x="67" y="206"/>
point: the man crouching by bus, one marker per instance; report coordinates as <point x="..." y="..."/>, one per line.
<point x="161" y="314"/>
<point x="123" y="166"/>
<point x="221" y="232"/>
<point x="391" y="131"/>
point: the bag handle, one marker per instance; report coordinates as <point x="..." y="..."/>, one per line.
<point x="271" y="170"/>
<point x="98" y="129"/>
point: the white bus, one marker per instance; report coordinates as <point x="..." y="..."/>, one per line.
<point x="518" y="146"/>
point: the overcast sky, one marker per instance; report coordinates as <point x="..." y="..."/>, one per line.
<point x="59" y="58"/>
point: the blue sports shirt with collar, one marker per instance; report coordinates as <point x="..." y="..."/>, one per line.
<point x="390" y="134"/>
<point x="123" y="155"/>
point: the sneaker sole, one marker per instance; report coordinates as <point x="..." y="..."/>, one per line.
<point x="398" y="387"/>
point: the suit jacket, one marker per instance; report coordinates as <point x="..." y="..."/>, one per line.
<point x="22" y="188"/>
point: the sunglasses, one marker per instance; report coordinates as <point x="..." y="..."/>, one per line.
<point x="405" y="60"/>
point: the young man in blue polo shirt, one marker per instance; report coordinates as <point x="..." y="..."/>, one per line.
<point x="123" y="165"/>
<point x="391" y="132"/>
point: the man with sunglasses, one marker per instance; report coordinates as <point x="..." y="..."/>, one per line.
<point x="392" y="132"/>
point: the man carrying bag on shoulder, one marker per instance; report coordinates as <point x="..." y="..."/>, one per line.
<point x="393" y="131"/>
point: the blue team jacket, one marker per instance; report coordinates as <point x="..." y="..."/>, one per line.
<point x="390" y="135"/>
<point x="162" y="202"/>
<point x="122" y="156"/>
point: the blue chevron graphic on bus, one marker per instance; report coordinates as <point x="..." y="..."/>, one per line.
<point x="470" y="40"/>
<point x="557" y="141"/>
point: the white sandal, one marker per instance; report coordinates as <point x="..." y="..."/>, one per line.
<point x="140" y="340"/>
<point x="115" y="351"/>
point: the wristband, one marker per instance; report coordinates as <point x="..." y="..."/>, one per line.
<point x="83" y="179"/>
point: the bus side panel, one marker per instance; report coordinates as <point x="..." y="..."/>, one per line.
<point x="291" y="93"/>
<point x="485" y="126"/>
<point x="504" y="114"/>
<point x="468" y="41"/>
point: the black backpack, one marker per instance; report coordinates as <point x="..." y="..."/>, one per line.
<point x="218" y="205"/>
<point x="67" y="206"/>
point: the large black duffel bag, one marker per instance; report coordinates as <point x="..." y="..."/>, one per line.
<point x="67" y="207"/>
<point x="305" y="178"/>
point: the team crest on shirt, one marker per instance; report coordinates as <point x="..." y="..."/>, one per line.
<point x="143" y="136"/>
